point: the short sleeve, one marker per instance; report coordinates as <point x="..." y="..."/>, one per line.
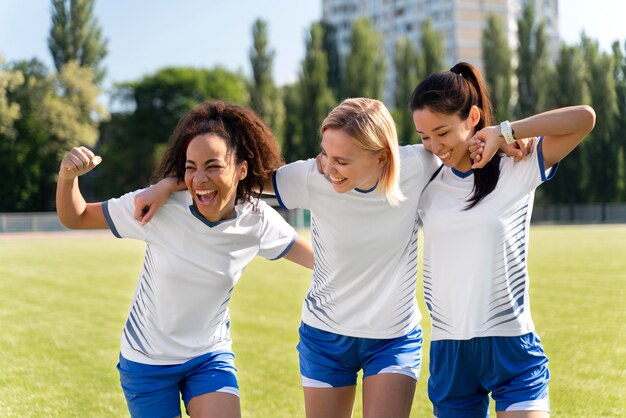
<point x="119" y="216"/>
<point x="291" y="184"/>
<point x="531" y="172"/>
<point x="277" y="236"/>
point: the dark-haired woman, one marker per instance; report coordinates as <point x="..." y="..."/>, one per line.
<point x="176" y="340"/>
<point x="476" y="217"/>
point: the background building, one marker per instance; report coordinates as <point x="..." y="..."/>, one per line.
<point x="460" y="22"/>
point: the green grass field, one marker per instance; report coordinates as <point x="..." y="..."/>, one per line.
<point x="63" y="303"/>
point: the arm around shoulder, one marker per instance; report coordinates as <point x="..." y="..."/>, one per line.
<point x="562" y="130"/>
<point x="301" y="253"/>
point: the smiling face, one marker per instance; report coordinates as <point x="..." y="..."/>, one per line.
<point x="347" y="165"/>
<point x="447" y="136"/>
<point x="212" y="176"/>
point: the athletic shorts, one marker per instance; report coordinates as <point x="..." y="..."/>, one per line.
<point x="464" y="372"/>
<point x="333" y="360"/>
<point x="154" y="391"/>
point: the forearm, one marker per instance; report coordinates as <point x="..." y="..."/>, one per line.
<point x="558" y="122"/>
<point x="301" y="253"/>
<point x="562" y="130"/>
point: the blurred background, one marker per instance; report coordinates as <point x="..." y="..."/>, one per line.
<point x="116" y="76"/>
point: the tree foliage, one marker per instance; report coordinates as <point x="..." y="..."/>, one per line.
<point x="498" y="69"/>
<point x="406" y="80"/>
<point x="365" y="63"/>
<point x="9" y="109"/>
<point x="265" y="98"/>
<point x="602" y="148"/>
<point x="71" y="109"/>
<point x="132" y="143"/>
<point x="532" y="63"/>
<point x="431" y="55"/>
<point x="57" y="111"/>
<point x="335" y="65"/>
<point x="619" y="68"/>
<point x="75" y="35"/>
<point x="568" y="87"/>
<point x="293" y="146"/>
<point x="316" y="97"/>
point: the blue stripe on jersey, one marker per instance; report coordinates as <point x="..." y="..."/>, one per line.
<point x="223" y="307"/>
<point x="276" y="193"/>
<point x="134" y="330"/>
<point x="512" y="288"/>
<point x="287" y="248"/>
<point x="542" y="167"/>
<point x="367" y="190"/>
<point x="407" y="286"/>
<point x="107" y="217"/>
<point x="318" y="297"/>
<point x="205" y="221"/>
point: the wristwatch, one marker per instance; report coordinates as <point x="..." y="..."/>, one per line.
<point x="507" y="132"/>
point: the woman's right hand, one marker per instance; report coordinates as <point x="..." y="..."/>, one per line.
<point x="78" y="161"/>
<point x="149" y="200"/>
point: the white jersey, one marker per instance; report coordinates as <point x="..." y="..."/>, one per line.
<point x="475" y="272"/>
<point x="363" y="282"/>
<point x="180" y="307"/>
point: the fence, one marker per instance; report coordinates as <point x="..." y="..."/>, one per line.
<point x="299" y="218"/>
<point x="49" y="222"/>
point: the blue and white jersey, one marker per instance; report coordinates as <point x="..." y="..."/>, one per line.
<point x="364" y="279"/>
<point x="180" y="307"/>
<point x="475" y="261"/>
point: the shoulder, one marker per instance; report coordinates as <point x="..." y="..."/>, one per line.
<point x="301" y="165"/>
<point x="416" y="163"/>
<point x="417" y="154"/>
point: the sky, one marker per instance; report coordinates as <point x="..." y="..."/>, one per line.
<point x="146" y="35"/>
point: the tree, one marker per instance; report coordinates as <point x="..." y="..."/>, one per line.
<point x="603" y="149"/>
<point x="365" y="64"/>
<point x="76" y="36"/>
<point x="316" y="97"/>
<point x="568" y="87"/>
<point x="431" y="50"/>
<point x="293" y="144"/>
<point x="620" y="125"/>
<point x="265" y="98"/>
<point x="71" y="110"/>
<point x="497" y="66"/>
<point x="335" y="71"/>
<point x="406" y="80"/>
<point x="51" y="120"/>
<point x="9" y="109"/>
<point x="532" y="63"/>
<point x="132" y="143"/>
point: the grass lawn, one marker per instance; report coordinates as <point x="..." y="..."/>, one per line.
<point x="63" y="303"/>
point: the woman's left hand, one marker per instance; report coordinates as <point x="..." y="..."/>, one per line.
<point x="486" y="142"/>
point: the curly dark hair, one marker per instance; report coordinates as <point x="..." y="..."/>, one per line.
<point x="245" y="134"/>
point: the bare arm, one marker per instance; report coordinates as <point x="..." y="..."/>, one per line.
<point x="562" y="130"/>
<point x="72" y="209"/>
<point x="268" y="184"/>
<point x="301" y="253"/>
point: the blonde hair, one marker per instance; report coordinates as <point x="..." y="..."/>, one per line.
<point x="370" y="125"/>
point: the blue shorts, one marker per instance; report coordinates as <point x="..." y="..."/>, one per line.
<point x="154" y="391"/>
<point x="463" y="373"/>
<point x="333" y="360"/>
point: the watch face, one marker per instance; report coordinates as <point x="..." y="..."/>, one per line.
<point x="507" y="132"/>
